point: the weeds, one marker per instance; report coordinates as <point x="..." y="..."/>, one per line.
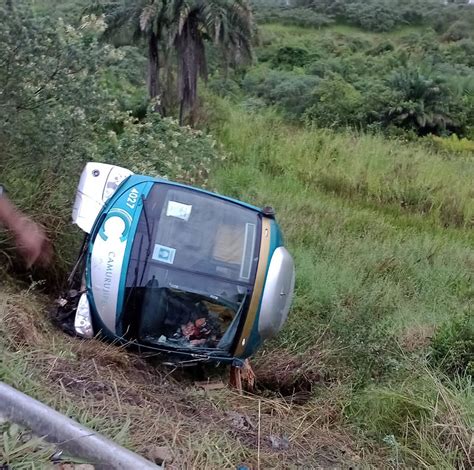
<point x="378" y="271"/>
<point x="426" y="422"/>
<point x="452" y="348"/>
<point x="144" y="407"/>
<point x="20" y="450"/>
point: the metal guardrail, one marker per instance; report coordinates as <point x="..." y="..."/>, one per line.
<point x="76" y="440"/>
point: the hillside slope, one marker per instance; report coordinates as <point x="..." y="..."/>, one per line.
<point x="374" y="367"/>
<point x="152" y="409"/>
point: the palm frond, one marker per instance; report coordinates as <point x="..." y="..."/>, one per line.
<point x="147" y="16"/>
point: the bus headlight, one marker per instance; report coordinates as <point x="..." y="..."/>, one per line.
<point x="82" y="321"/>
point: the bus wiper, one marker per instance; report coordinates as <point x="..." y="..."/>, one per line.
<point x="148" y="232"/>
<point x="133" y="286"/>
<point x="139" y="256"/>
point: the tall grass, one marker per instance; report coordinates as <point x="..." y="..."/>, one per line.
<point x="428" y="421"/>
<point x="391" y="174"/>
<point x="380" y="233"/>
<point x="362" y="256"/>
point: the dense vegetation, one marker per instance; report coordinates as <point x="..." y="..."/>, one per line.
<point x="175" y="33"/>
<point x="453" y="17"/>
<point x="66" y="101"/>
<point x="356" y="122"/>
<point x="415" y="80"/>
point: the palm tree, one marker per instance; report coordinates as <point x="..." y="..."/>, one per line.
<point x="422" y="101"/>
<point x="228" y="23"/>
<point x="182" y="27"/>
<point x="138" y="20"/>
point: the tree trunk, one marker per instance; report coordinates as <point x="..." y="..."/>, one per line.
<point x="168" y="93"/>
<point x="154" y="72"/>
<point x="181" y="112"/>
<point x="191" y="63"/>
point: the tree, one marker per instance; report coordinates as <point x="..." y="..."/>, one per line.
<point x="139" y="20"/>
<point x="182" y="27"/>
<point x="227" y="23"/>
<point x="59" y="111"/>
<point x="423" y="102"/>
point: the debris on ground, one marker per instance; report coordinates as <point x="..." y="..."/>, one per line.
<point x="242" y="378"/>
<point x="160" y="455"/>
<point x="240" y="421"/>
<point x="279" y="443"/>
<point x="209" y="386"/>
<point x="142" y="404"/>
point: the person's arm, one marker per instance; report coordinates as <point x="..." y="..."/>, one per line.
<point x="30" y="238"/>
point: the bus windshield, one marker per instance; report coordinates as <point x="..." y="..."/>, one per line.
<point x="191" y="270"/>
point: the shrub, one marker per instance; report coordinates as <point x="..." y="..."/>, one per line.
<point x="224" y="87"/>
<point x="452" y="347"/>
<point x="373" y="15"/>
<point x="288" y="57"/>
<point x="422" y="102"/>
<point x="293" y="16"/>
<point x="160" y="147"/>
<point x="457" y="31"/>
<point x="59" y="111"/>
<point x="381" y="48"/>
<point x="461" y="52"/>
<point x="289" y="90"/>
<point x="336" y="104"/>
<point x="453" y="144"/>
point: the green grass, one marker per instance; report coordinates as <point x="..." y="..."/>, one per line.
<point x="280" y="35"/>
<point x="367" y="168"/>
<point x="429" y="418"/>
<point x="21" y="451"/>
<point x="381" y="233"/>
<point x="365" y="218"/>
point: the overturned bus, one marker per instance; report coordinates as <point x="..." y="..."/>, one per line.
<point x="175" y="269"/>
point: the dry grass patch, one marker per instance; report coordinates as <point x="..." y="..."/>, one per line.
<point x="148" y="407"/>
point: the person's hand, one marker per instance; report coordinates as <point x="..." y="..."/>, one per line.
<point x="31" y="240"/>
<point x="32" y="243"/>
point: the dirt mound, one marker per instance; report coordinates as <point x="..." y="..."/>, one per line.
<point x="291" y="376"/>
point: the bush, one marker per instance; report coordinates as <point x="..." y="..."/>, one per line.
<point x="59" y="111"/>
<point x="336" y="104"/>
<point x="452" y="348"/>
<point x="293" y="16"/>
<point x="289" y="90"/>
<point x="461" y="52"/>
<point x="374" y="15"/>
<point x="289" y="57"/>
<point x="453" y="144"/>
<point x="253" y="105"/>
<point x="160" y="147"/>
<point x="224" y="87"/>
<point x="457" y="31"/>
<point x="423" y="102"/>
